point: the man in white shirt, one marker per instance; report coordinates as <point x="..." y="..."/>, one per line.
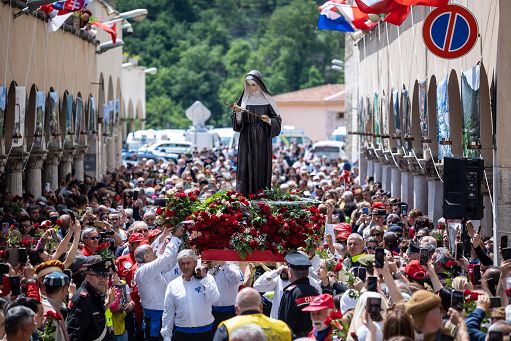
<point x="188" y="302"/>
<point x="151" y="283"/>
<point x="276" y="281"/>
<point x="227" y="278"/>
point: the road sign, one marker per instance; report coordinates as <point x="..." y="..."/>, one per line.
<point x="450" y="31"/>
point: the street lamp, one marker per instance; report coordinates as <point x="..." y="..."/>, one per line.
<point x="151" y="71"/>
<point x="337" y="65"/>
<point x="136" y="14"/>
<point x="108" y="45"/>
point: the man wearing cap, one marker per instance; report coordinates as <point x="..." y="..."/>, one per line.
<point x="46" y="268"/>
<point x="249" y="309"/>
<point x="86" y="320"/>
<point x="126" y="266"/>
<point x="424" y="307"/>
<point x="297" y="295"/>
<point x="56" y="285"/>
<point x="320" y="308"/>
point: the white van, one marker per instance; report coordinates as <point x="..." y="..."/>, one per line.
<point x="333" y="150"/>
<point x="339" y="134"/>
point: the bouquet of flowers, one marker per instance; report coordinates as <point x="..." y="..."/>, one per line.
<point x="50" y="328"/>
<point x="227" y="220"/>
<point x="179" y="207"/>
<point x="217" y="219"/>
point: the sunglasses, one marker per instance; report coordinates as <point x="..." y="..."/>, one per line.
<point x="142" y="231"/>
<point x="370" y="248"/>
<point x="93" y="238"/>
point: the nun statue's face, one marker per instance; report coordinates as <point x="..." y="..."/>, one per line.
<point x="252" y="85"/>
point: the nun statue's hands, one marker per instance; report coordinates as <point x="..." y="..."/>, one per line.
<point x="266" y="119"/>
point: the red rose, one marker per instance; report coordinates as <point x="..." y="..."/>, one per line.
<point x="254" y="244"/>
<point x="53" y="314"/>
<point x="159" y="210"/>
<point x="58" y="222"/>
<point x="335" y="315"/>
<point x="117" y="198"/>
<point x="26" y="242"/>
<point x="253" y="232"/>
<point x="3" y="254"/>
<point x="36" y="225"/>
<point x="328" y="321"/>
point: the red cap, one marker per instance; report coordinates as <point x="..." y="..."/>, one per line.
<point x="136" y="237"/>
<point x="153" y="233"/>
<point x="343" y="235"/>
<point x="323" y="301"/>
<point x="415" y="271"/>
<point x="343" y="227"/>
<point x="378" y="205"/>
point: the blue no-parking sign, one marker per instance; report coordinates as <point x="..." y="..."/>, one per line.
<point x="450" y="31"/>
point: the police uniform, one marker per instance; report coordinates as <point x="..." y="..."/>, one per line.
<point x="87" y="320"/>
<point x="297" y="296"/>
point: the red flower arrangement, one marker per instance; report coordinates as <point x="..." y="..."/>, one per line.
<point x="179" y="207"/>
<point x="217" y="219"/>
<point x="227" y="220"/>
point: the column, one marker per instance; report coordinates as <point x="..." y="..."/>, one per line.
<point x="387" y="177"/>
<point x="78" y="164"/>
<point x="14" y="175"/>
<point x="407" y="188"/>
<point x="110" y="154"/>
<point x="370" y="168"/>
<point x="118" y="149"/>
<point x="33" y="176"/>
<point x="377" y="171"/>
<point x="395" y="188"/>
<point x="435" y="199"/>
<point x="363" y="168"/>
<point x="420" y="193"/>
<point x="51" y="169"/>
<point x="66" y="163"/>
<point x="91" y="162"/>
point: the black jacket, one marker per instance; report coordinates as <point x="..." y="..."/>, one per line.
<point x="86" y="320"/>
<point x="297" y="296"/>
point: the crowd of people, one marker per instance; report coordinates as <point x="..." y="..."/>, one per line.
<point x="90" y="260"/>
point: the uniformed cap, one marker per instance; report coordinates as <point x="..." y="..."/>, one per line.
<point x="323" y="301"/>
<point x="298" y="260"/>
<point x="99" y="265"/>
<point x="56" y="279"/>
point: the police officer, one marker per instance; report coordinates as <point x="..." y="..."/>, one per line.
<point x="297" y="295"/>
<point x="86" y="320"/>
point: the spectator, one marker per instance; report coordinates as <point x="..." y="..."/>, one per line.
<point x="188" y="302"/>
<point x="249" y="309"/>
<point x="19" y="323"/>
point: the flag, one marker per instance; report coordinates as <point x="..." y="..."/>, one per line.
<point x="396" y="10"/>
<point x="331" y="19"/>
<point x="108" y="28"/>
<point x="356" y="17"/>
<point x="60" y="11"/>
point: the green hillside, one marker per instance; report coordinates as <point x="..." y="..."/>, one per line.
<point x="203" y="49"/>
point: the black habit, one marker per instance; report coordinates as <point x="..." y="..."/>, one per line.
<point x="255" y="148"/>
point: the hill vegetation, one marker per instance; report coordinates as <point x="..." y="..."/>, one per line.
<point x="203" y="49"/>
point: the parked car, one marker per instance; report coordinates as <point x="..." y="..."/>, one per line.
<point x="339" y="134"/>
<point x="133" y="157"/>
<point x="333" y="150"/>
<point x="225" y="134"/>
<point x="163" y="148"/>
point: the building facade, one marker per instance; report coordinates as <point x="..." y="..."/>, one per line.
<point x="323" y="105"/>
<point x="62" y="106"/>
<point x="408" y="109"/>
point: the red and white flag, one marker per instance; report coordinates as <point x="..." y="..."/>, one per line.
<point x="108" y="28"/>
<point x="396" y="10"/>
<point x="59" y="11"/>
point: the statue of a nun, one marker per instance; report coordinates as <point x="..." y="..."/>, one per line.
<point x="256" y="117"/>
